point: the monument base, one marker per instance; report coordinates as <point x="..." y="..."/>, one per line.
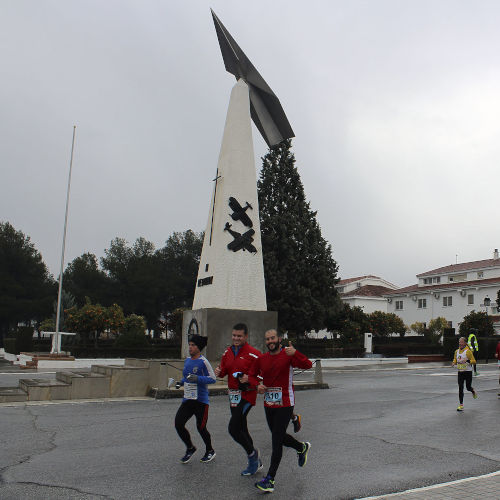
<point x="216" y="324"/>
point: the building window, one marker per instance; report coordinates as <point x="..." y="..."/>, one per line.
<point x="399" y="305"/>
<point x="436" y="280"/>
<point x="480" y="274"/>
<point x="340" y="289"/>
<point x="358" y="285"/>
<point x="422" y="303"/>
<point x="470" y="299"/>
<point x="447" y="301"/>
<point x="427" y="281"/>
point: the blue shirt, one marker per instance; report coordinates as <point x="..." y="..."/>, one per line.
<point x="206" y="375"/>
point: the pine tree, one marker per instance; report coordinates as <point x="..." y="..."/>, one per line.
<point x="299" y="269"/>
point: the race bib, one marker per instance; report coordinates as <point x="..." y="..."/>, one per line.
<point x="234" y="397"/>
<point x="462" y="366"/>
<point x="190" y="391"/>
<point x="273" y="396"/>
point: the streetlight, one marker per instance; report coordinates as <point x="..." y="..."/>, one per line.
<point x="487" y="302"/>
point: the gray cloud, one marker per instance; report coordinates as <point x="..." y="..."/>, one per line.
<point x="395" y="107"/>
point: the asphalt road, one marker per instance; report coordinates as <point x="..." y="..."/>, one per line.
<point x="373" y="432"/>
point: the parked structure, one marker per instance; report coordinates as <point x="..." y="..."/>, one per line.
<point x="451" y="292"/>
<point x="367" y="292"/>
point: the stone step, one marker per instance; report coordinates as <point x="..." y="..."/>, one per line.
<point x="12" y="394"/>
<point x="86" y="384"/>
<point x="126" y="381"/>
<point x="45" y="389"/>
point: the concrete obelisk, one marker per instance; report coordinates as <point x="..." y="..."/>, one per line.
<point x="233" y="279"/>
<point x="230" y="287"/>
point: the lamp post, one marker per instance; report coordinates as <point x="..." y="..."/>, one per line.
<point x="487" y="302"/>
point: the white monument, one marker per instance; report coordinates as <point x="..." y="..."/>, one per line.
<point x="230" y="287"/>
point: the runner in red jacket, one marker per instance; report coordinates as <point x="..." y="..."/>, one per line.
<point x="235" y="363"/>
<point x="273" y="371"/>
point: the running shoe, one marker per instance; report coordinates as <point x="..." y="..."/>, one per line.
<point x="266" y="484"/>
<point x="208" y="457"/>
<point x="460" y="408"/>
<point x="187" y="457"/>
<point x="254" y="465"/>
<point x="302" y="455"/>
<point x="474" y="395"/>
<point x="296" y="423"/>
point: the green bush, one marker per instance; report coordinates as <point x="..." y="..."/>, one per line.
<point x="24" y="339"/>
<point x="133" y="335"/>
<point x="9" y="344"/>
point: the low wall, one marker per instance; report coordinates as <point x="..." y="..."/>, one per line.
<point x="345" y="362"/>
<point x="79" y="362"/>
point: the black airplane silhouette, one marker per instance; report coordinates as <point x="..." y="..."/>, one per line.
<point x="239" y="212"/>
<point x="241" y="241"/>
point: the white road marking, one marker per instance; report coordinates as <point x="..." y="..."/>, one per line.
<point x="433" y="487"/>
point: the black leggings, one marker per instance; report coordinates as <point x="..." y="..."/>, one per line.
<point x="184" y="413"/>
<point x="467" y="378"/>
<point x="278" y="420"/>
<point x="238" y="425"/>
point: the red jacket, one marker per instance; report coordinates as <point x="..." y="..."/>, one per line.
<point x="276" y="372"/>
<point x="240" y="363"/>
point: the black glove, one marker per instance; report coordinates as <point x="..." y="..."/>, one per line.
<point x="177" y="385"/>
<point x="192" y="378"/>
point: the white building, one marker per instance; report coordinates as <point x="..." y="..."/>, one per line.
<point x="451" y="292"/>
<point x="367" y="292"/>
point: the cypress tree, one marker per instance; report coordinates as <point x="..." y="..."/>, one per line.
<point x="299" y="269"/>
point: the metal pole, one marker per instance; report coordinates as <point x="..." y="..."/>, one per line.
<point x="56" y="338"/>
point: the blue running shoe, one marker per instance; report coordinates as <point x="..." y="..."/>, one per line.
<point x="266" y="484"/>
<point x="208" y="457"/>
<point x="254" y="465"/>
<point x="187" y="457"/>
<point x="302" y="455"/>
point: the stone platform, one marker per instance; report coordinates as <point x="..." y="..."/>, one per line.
<point x="136" y="378"/>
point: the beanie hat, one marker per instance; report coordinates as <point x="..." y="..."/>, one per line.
<point x="199" y="341"/>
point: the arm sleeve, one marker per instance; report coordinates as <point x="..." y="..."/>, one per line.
<point x="222" y="366"/>
<point x="300" y="360"/>
<point x="471" y="357"/>
<point x="251" y="381"/>
<point x="455" y="358"/>
<point x="253" y="373"/>
<point x="210" y="377"/>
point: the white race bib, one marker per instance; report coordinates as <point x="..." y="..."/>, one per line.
<point x="234" y="397"/>
<point x="273" y="396"/>
<point x="190" y="390"/>
<point x="461" y="367"/>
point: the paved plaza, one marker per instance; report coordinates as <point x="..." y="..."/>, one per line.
<point x="374" y="433"/>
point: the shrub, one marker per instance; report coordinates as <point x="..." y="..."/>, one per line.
<point x="133" y="333"/>
<point x="9" y="344"/>
<point x="24" y="339"/>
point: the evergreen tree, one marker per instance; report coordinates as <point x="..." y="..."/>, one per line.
<point x="26" y="287"/>
<point x="299" y="268"/>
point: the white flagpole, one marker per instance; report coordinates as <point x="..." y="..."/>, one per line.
<point x="56" y="338"/>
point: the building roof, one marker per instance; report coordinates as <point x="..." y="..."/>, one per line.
<point x="466" y="266"/>
<point x="444" y="286"/>
<point x="368" y="291"/>
<point x="352" y="280"/>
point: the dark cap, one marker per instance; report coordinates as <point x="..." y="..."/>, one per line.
<point x="199" y="341"/>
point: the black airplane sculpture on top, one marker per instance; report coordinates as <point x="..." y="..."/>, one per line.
<point x="241" y="241"/>
<point x="239" y="212"/>
<point x="265" y="108"/>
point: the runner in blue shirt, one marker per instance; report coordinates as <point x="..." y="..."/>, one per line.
<point x="196" y="375"/>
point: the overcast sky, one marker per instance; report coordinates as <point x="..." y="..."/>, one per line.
<point x="395" y="107"/>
